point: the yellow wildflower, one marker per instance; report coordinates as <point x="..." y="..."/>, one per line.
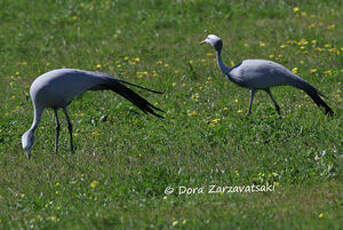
<point x="262" y="44"/>
<point x="311" y="25"/>
<point x="283" y="46"/>
<point x="141" y="74"/>
<point x="313" y="71"/>
<point x="291" y="41"/>
<point x="94" y="184"/>
<point x="195" y="96"/>
<point x="332" y="50"/>
<point x="295" y="70"/>
<point x="98" y="66"/>
<point x="321" y="215"/>
<point x="239" y="111"/>
<point x="304" y="14"/>
<point x="52" y="218"/>
<point x="328" y="72"/>
<point x="302" y="42"/>
<point x="210" y="54"/>
<point x="296" y="9"/>
<point x="175" y="223"/>
<point x="193" y="113"/>
<point x="331" y="27"/>
<point x="137" y="59"/>
<point x="154" y="73"/>
<point x="214" y="121"/>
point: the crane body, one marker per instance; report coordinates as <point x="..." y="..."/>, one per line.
<point x="56" y="89"/>
<point x="257" y="74"/>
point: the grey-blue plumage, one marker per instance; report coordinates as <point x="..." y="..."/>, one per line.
<point x="57" y="88"/>
<point x="257" y="74"/>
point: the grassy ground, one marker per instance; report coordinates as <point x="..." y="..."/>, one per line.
<point x="122" y="166"/>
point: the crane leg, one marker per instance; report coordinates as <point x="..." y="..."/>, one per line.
<point x="252" y="93"/>
<point x="57" y="130"/>
<point x="70" y="128"/>
<point x="277" y="107"/>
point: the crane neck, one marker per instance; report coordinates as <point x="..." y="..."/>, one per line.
<point x="221" y="65"/>
<point x="37" y="113"/>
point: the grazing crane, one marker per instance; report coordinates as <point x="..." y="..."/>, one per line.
<point x="262" y="74"/>
<point x="57" y="88"/>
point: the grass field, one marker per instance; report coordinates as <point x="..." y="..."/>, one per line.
<point x="117" y="177"/>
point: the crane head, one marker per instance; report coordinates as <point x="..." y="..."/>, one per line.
<point x="214" y="41"/>
<point x="27" y="142"/>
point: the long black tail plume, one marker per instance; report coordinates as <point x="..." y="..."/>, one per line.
<point x="320" y="102"/>
<point x="312" y="92"/>
<point x="133" y="97"/>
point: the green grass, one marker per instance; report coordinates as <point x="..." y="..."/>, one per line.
<point x="205" y="138"/>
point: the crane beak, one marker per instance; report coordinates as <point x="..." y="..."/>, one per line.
<point x="203" y="42"/>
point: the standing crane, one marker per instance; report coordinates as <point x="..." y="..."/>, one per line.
<point x="256" y="74"/>
<point x="57" y="88"/>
